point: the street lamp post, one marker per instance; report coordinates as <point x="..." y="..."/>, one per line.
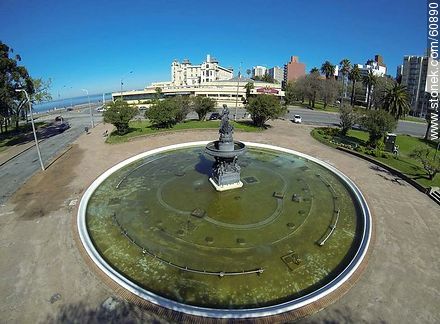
<point x="90" y="107"/>
<point x="33" y="126"/>
<point x="122" y="83"/>
<point x="236" y="97"/>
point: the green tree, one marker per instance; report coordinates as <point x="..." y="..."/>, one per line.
<point x="267" y="78"/>
<point x="202" y="106"/>
<point x="369" y="81"/>
<point x="119" y="113"/>
<point x="345" y="67"/>
<point x="348" y="117"/>
<point x="162" y="114"/>
<point x="354" y="76"/>
<point x="431" y="164"/>
<point x="158" y="93"/>
<point x="314" y="70"/>
<point x="379" y="91"/>
<point x="396" y="101"/>
<point x="328" y="91"/>
<point x="248" y="86"/>
<point x="12" y="76"/>
<point x="265" y="107"/>
<point x="290" y="94"/>
<point x="377" y="123"/>
<point x="312" y="86"/>
<point x="183" y="107"/>
<point x="328" y="69"/>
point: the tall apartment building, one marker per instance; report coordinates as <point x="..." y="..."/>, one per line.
<point x="259" y="71"/>
<point x="277" y="74"/>
<point x="187" y="74"/>
<point x="294" y="69"/>
<point x="413" y="73"/>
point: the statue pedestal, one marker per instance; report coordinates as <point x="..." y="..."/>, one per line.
<point x="225" y="187"/>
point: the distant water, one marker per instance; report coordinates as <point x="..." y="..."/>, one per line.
<point x="68" y="102"/>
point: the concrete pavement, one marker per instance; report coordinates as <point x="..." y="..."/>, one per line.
<point x="45" y="277"/>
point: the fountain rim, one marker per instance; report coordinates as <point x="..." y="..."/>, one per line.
<point x="288" y="306"/>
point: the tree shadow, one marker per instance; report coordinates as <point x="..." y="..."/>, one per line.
<point x="123" y="313"/>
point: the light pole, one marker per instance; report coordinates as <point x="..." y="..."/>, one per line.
<point x="33" y="126"/>
<point x="122" y="83"/>
<point x="90" y="107"/>
<point x="236" y="97"/>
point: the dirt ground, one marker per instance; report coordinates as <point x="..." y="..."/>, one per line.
<point x="45" y="277"/>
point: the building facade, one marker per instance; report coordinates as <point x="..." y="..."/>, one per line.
<point x="294" y="69"/>
<point x="413" y="73"/>
<point x="259" y="71"/>
<point x="185" y="73"/>
<point x="230" y="92"/>
<point x="277" y="74"/>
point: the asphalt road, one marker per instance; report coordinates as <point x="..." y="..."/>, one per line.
<point x="18" y="170"/>
<point x="318" y="117"/>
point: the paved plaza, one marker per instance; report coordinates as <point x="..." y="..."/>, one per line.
<point x="45" y="275"/>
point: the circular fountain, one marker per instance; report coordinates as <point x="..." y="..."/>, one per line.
<point x="295" y="231"/>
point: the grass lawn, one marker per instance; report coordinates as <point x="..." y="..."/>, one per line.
<point x="404" y="163"/>
<point x="14" y="137"/>
<point x="144" y="127"/>
<point x="414" y="119"/>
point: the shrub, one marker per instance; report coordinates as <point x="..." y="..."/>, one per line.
<point x="162" y="114"/>
<point x="431" y="164"/>
<point x="264" y="107"/>
<point x="202" y="106"/>
<point x="183" y="107"/>
<point x="348" y="119"/>
<point x="119" y="113"/>
<point x="377" y="123"/>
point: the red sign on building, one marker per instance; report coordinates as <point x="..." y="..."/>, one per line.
<point x="267" y="90"/>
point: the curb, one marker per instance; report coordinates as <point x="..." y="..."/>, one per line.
<point x="19" y="153"/>
<point x="58" y="156"/>
<point x="396" y="172"/>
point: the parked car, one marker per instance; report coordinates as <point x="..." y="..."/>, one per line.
<point x="214" y="116"/>
<point x="297" y="119"/>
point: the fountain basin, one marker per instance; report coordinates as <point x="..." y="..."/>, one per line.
<point x="213" y="149"/>
<point x="259" y="248"/>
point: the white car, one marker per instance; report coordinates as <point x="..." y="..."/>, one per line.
<point x="297" y="119"/>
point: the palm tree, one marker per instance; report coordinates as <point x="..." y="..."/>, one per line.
<point x="248" y="72"/>
<point x="369" y="81"/>
<point x="345" y="67"/>
<point x="396" y="101"/>
<point x="328" y="69"/>
<point x="314" y="70"/>
<point x="354" y="76"/>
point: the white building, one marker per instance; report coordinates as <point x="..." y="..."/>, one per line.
<point x="231" y="92"/>
<point x="376" y="66"/>
<point x="259" y="71"/>
<point x="187" y="74"/>
<point x="413" y="73"/>
<point x="277" y="74"/>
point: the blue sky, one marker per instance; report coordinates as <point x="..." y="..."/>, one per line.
<point x="92" y="44"/>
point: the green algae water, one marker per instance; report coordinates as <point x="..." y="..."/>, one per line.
<point x="289" y="230"/>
